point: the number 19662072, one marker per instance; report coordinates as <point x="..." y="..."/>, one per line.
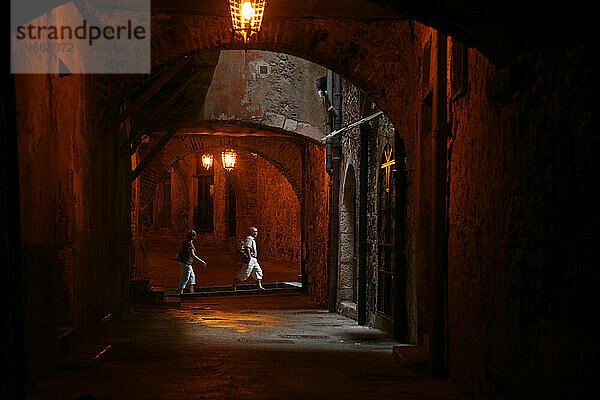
<point x="48" y="47"/>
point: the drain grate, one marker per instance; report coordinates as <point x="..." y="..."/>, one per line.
<point x="321" y="337"/>
<point x="311" y="312"/>
<point x="266" y="341"/>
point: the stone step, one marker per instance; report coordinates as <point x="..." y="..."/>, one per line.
<point x="83" y="357"/>
<point x="243" y="289"/>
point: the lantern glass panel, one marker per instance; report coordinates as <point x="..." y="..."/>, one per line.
<point x="229" y="158"/>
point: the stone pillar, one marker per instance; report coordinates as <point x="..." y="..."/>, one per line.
<point x="439" y="249"/>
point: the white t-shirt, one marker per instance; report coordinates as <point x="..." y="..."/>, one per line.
<point x="251" y="244"/>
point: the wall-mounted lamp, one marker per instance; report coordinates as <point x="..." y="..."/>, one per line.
<point x="207" y="160"/>
<point x="322" y="87"/>
<point x="229" y="158"/>
<point x="246" y="16"/>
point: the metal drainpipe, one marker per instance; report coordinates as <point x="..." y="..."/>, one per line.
<point x="303" y="254"/>
<point x="362" y="221"/>
<point x="336" y="159"/>
<point x="329" y="123"/>
<point x="439" y="245"/>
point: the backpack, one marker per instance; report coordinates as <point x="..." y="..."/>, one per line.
<point x="241" y="252"/>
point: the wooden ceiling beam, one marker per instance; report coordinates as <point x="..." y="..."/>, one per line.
<point x="160" y="109"/>
<point x="144" y="97"/>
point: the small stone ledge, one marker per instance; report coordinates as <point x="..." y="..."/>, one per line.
<point x="411" y="356"/>
<point x="348" y="309"/>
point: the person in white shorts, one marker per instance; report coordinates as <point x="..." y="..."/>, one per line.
<point x="253" y="267"/>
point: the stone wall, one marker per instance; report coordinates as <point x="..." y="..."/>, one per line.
<point x="521" y="217"/>
<point x="349" y="202"/>
<point x="71" y="183"/>
<point x="316" y="190"/>
<point x="278" y="214"/>
<point x="355" y="105"/>
<point x="519" y="154"/>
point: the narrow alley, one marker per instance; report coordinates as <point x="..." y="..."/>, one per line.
<point x="413" y="182"/>
<point x="261" y="346"/>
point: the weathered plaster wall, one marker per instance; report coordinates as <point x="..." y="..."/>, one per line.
<point x="266" y="88"/>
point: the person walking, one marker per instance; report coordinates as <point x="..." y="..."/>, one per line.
<point x="252" y="268"/>
<point x="185" y="257"/>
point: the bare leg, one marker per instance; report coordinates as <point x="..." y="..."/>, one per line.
<point x="260" y="286"/>
<point x="191" y="288"/>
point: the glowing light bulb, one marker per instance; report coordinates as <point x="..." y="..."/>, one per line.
<point x="247" y="11"/>
<point x="246" y="17"/>
<point x="207" y="160"/>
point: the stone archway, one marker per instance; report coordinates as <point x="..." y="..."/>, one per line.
<point x="375" y="59"/>
<point x="280" y="231"/>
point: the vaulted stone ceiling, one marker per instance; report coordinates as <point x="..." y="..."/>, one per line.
<point x="285" y="8"/>
<point x="499" y="29"/>
<point x="179" y="105"/>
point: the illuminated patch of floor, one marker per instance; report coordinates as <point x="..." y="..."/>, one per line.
<point x="239" y="321"/>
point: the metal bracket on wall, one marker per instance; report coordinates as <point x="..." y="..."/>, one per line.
<point x="352" y="125"/>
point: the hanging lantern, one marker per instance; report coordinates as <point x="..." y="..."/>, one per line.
<point x="229" y="157"/>
<point x="207" y="160"/>
<point x="246" y="16"/>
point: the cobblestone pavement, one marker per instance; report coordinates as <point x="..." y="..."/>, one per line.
<point x="275" y="346"/>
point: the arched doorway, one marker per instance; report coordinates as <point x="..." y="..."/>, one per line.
<point x="231" y="210"/>
<point x="204" y="187"/>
